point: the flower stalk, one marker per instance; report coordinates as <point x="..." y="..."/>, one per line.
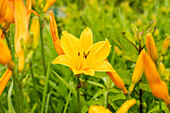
<point x="78" y="93"/>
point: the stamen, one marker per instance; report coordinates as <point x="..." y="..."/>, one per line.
<point x="85" y="55"/>
<point x="78" y="53"/>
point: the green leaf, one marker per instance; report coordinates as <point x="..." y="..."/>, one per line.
<point x="134" y="28"/>
<point x="98" y="93"/>
<point x="10" y="106"/>
<point x="96" y="84"/>
<point x="71" y="89"/>
<point x="144" y="86"/>
<point x="130" y="38"/>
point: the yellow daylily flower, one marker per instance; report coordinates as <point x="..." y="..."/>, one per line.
<point x="138" y="71"/>
<point x="21" y="30"/>
<point x="158" y="87"/>
<point x="126" y="105"/>
<point x="98" y="109"/>
<point x="151" y="47"/>
<point x="165" y="46"/>
<point x="54" y="34"/>
<point x="48" y="4"/>
<point x="117" y="81"/>
<point x="4" y="79"/>
<point x="82" y="56"/>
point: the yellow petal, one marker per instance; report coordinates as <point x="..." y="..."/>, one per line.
<point x="4" y="79"/>
<point x="64" y="60"/>
<point x="126" y="105"/>
<point x="151" y="47"/>
<point x="70" y="44"/>
<point x="21" y="30"/>
<point x="86" y="38"/>
<point x="99" y="51"/>
<point x="89" y="72"/>
<point x="54" y="33"/>
<point x="48" y="4"/>
<point x="138" y="71"/>
<point x="5" y="54"/>
<point x="28" y="7"/>
<point x="98" y="109"/>
<point x="103" y="66"/>
<point x="151" y="72"/>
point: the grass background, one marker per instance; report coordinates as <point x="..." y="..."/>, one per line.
<point x="111" y="19"/>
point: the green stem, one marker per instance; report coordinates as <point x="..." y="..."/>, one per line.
<point x="160" y="106"/>
<point x="78" y="94"/>
<point x="42" y="45"/>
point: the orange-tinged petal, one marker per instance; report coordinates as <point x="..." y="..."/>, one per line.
<point x="99" y="51"/>
<point x="28" y="8"/>
<point x="117" y="81"/>
<point x="3" y="7"/>
<point x="54" y="33"/>
<point x="21" y="30"/>
<point x="9" y="16"/>
<point x="98" y="109"/>
<point x="1" y="34"/>
<point x="4" y="79"/>
<point x="138" y="71"/>
<point x="126" y="105"/>
<point x="5" y="54"/>
<point x="151" y="72"/>
<point x="151" y="47"/>
<point x="48" y="4"/>
<point x="86" y="38"/>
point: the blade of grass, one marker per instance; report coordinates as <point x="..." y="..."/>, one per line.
<point x="45" y="88"/>
<point x="10" y="106"/>
<point x="67" y="102"/>
<point x="47" y="102"/>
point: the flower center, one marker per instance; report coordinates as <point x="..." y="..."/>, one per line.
<point x="82" y="56"/>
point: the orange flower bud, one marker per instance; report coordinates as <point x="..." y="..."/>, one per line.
<point x="3" y="7"/>
<point x="4" y="79"/>
<point x="54" y="33"/>
<point x="160" y="90"/>
<point x="138" y="71"/>
<point x="126" y="105"/>
<point x="9" y="16"/>
<point x="117" y="81"/>
<point x="21" y="30"/>
<point x="165" y="46"/>
<point x="5" y="54"/>
<point x="98" y="109"/>
<point x="151" y="72"/>
<point x="48" y="4"/>
<point x="151" y="47"/>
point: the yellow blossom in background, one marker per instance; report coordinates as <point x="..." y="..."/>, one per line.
<point x="98" y="109"/>
<point x="48" y="4"/>
<point x="126" y="105"/>
<point x="151" y="47"/>
<point x="158" y="87"/>
<point x="4" y="80"/>
<point x="138" y="71"/>
<point x="54" y="34"/>
<point x="21" y="30"/>
<point x="165" y="46"/>
<point x="82" y="56"/>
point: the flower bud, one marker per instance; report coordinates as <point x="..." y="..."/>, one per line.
<point x="165" y="46"/>
<point x="117" y="81"/>
<point x="126" y="105"/>
<point x="5" y="54"/>
<point x="151" y="72"/>
<point x="160" y="90"/>
<point x="54" y="33"/>
<point x="98" y="109"/>
<point x="48" y="4"/>
<point x="35" y="30"/>
<point x="138" y="71"/>
<point x="4" y="79"/>
<point x="151" y="47"/>
<point x="161" y="68"/>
